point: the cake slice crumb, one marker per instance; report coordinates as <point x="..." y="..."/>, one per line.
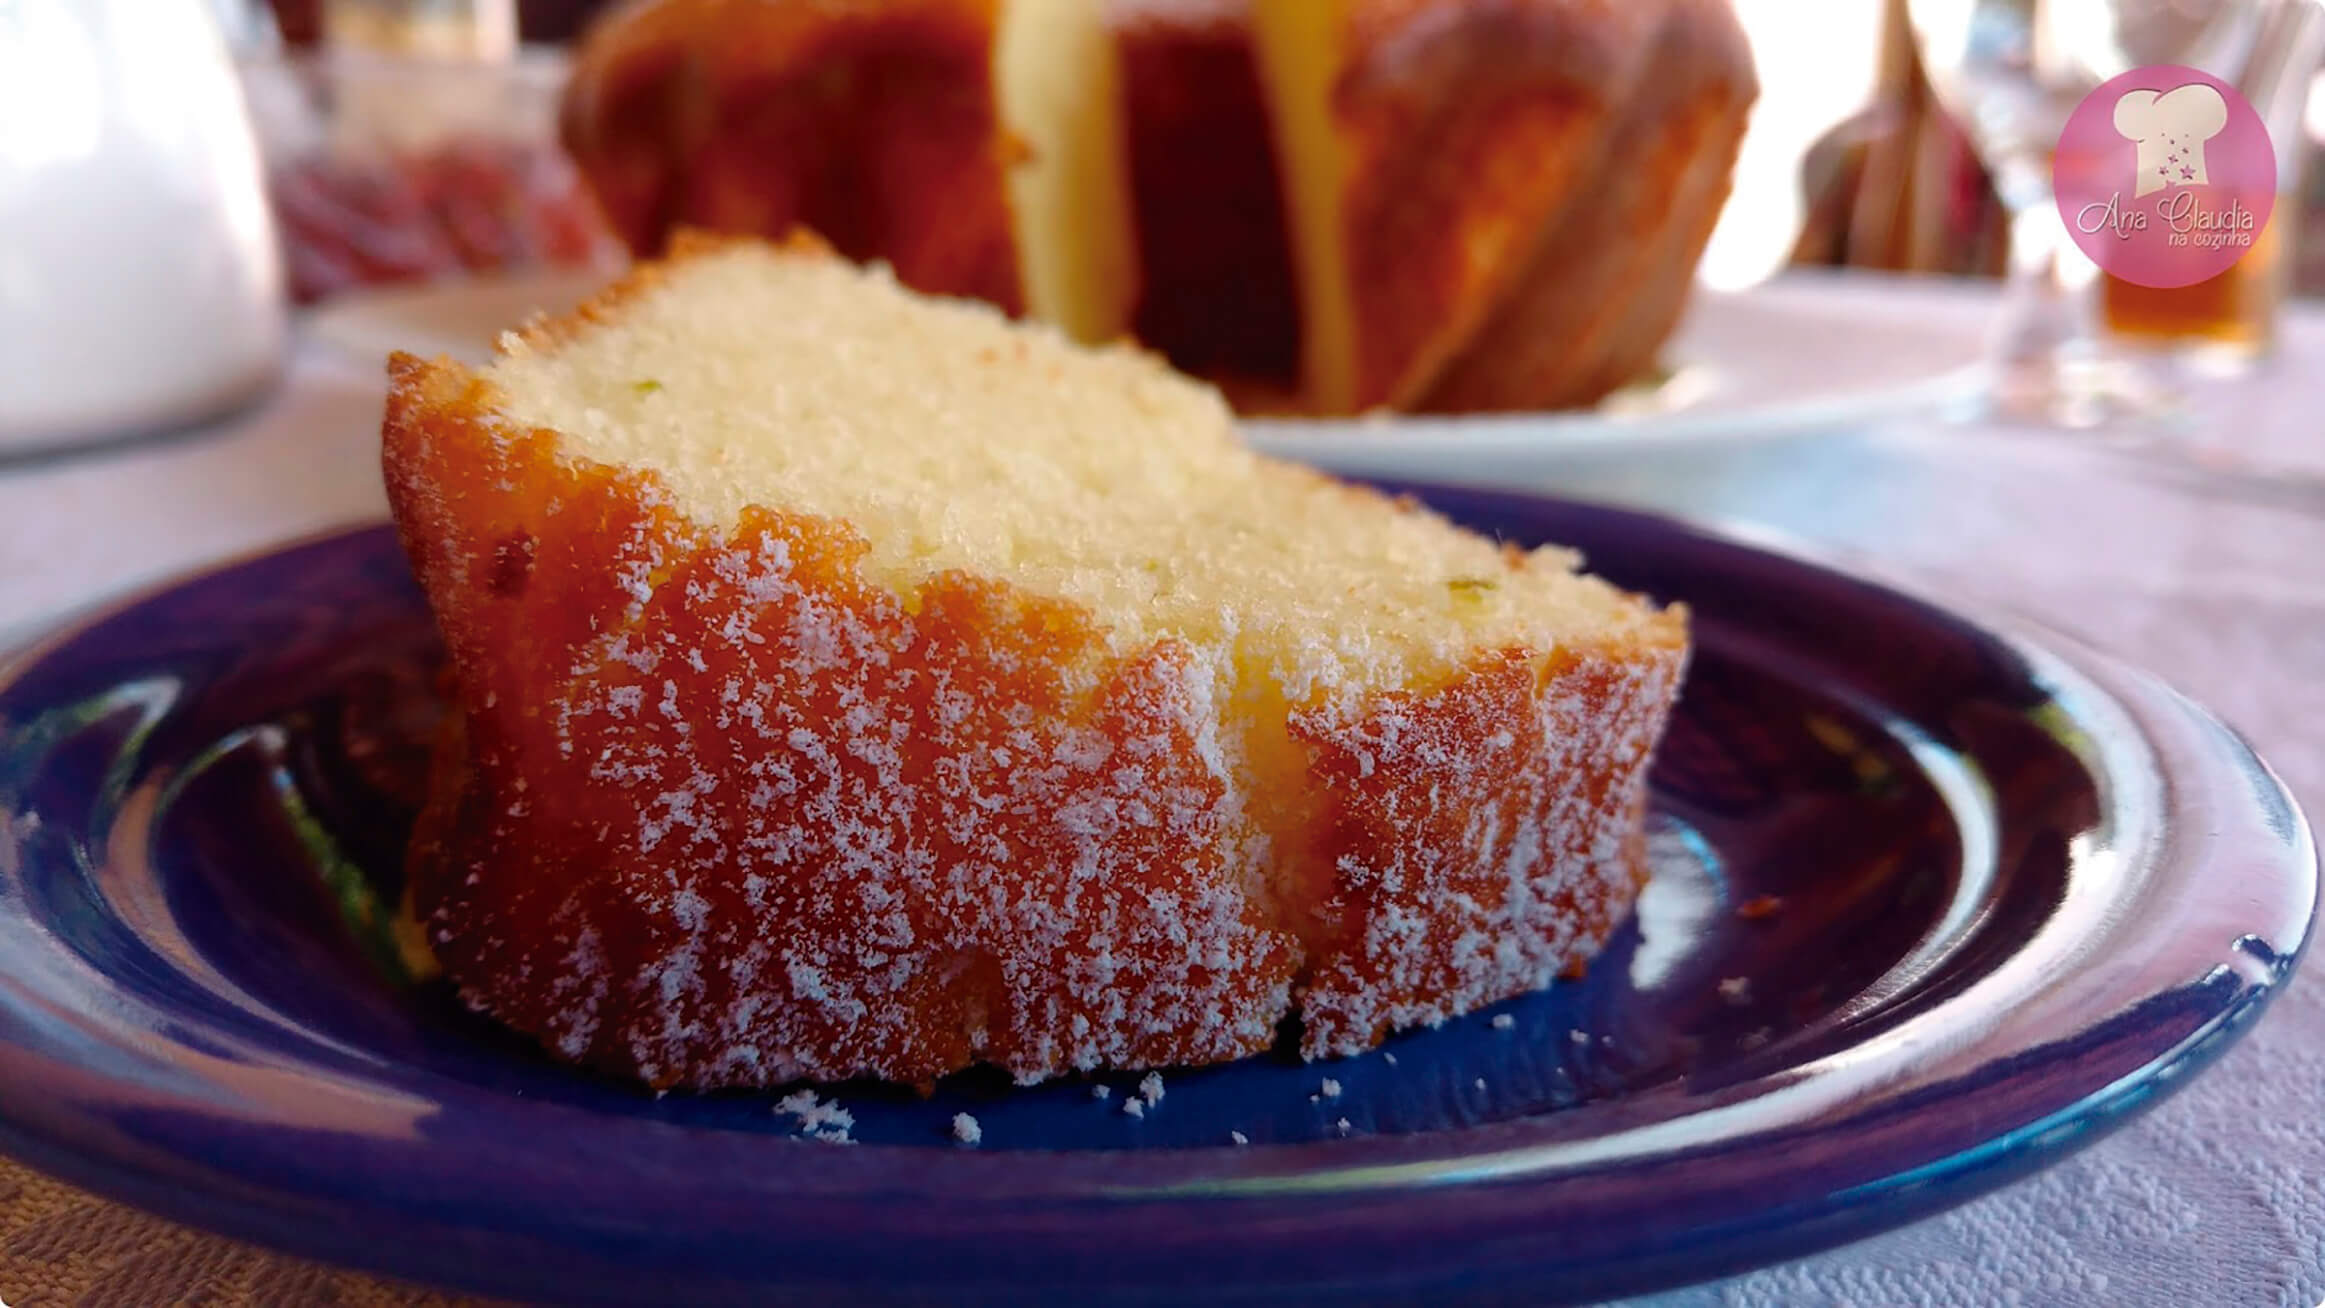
<point x="1150" y="1088"/>
<point x="1134" y="1106"/>
<point x="1101" y="1091"/>
<point x="1391" y="1057"/>
<point x="1239" y="1137"/>
<point x="1341" y="1126"/>
<point x="1503" y="1021"/>
<point x="1330" y="1089"/>
<point x="967" y="1131"/>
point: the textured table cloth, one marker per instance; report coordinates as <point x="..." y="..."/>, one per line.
<point x="2201" y="556"/>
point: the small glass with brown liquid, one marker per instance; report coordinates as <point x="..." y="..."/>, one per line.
<point x="2225" y="323"/>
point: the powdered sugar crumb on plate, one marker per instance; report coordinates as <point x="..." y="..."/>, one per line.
<point x="966" y="1130"/>
<point x="817" y="1119"/>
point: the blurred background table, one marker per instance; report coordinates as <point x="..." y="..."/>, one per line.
<point x="2197" y="556"/>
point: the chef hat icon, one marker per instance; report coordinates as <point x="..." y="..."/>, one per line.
<point x="2170" y="129"/>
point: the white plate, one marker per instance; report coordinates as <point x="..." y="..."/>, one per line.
<point x="460" y="317"/>
<point x="1808" y="355"/>
<point x="1811" y="355"/>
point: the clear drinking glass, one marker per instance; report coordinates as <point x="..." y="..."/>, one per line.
<point x="2011" y="71"/>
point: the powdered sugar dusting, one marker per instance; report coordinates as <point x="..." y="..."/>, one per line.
<point x="1513" y="892"/>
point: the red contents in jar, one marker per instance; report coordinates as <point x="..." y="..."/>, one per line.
<point x="459" y="207"/>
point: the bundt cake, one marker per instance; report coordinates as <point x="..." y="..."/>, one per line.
<point x="854" y="683"/>
<point x="1325" y="205"/>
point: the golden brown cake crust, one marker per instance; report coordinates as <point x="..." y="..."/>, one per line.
<point x="1606" y="280"/>
<point x="1468" y="127"/>
<point x="719" y="811"/>
<point x="871" y="121"/>
<point x="1216" y="290"/>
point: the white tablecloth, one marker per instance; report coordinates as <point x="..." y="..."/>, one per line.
<point x="2204" y="560"/>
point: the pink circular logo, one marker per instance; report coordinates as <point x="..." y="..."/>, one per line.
<point x="2165" y="176"/>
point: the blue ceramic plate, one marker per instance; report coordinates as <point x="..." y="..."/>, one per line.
<point x="1935" y="904"/>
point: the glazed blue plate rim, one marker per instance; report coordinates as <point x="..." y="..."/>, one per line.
<point x="1506" y="1172"/>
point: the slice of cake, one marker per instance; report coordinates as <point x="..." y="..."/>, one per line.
<point x="852" y="683"/>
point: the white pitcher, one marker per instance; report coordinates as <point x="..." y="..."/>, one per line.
<point x="140" y="283"/>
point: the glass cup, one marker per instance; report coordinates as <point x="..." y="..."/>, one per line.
<point x="2225" y="325"/>
<point x="2011" y="71"/>
<point x="2221" y="326"/>
<point x="386" y="168"/>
